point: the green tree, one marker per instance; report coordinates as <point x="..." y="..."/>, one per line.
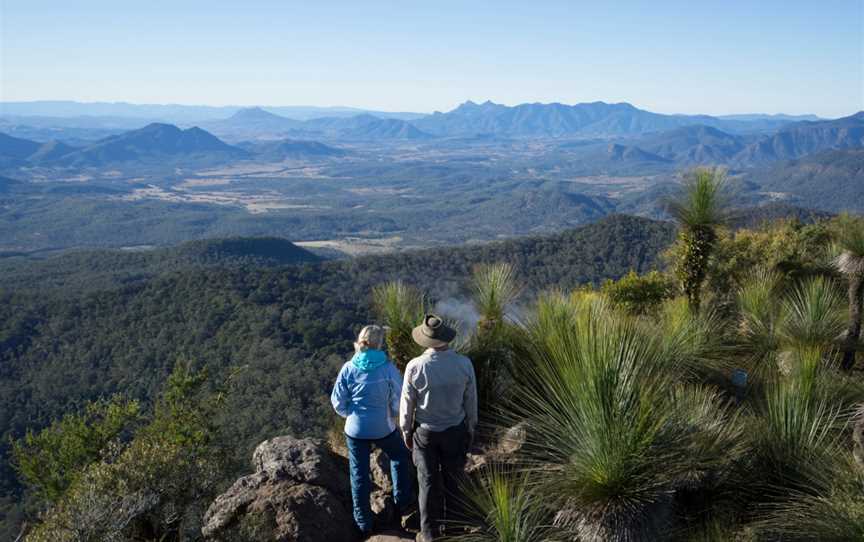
<point x="698" y="212"/>
<point x="151" y="488"/>
<point x="639" y="294"/>
<point x="51" y="460"/>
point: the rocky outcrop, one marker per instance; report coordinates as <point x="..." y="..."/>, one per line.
<point x="298" y="492"/>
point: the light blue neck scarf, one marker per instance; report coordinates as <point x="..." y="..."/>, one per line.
<point x="369" y="360"/>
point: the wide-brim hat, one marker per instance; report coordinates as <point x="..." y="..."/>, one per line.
<point x="433" y="332"/>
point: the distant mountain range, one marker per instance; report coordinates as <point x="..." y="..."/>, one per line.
<point x="176" y="113"/>
<point x="596" y="119"/>
<point x="807" y="137"/>
<point x="635" y="137"/>
<point x="257" y="123"/>
<point x="702" y="144"/>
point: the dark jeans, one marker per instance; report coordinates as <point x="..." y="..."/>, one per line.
<point x="361" y="485"/>
<point x="440" y="460"/>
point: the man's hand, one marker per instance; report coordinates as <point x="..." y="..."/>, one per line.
<point x="409" y="441"/>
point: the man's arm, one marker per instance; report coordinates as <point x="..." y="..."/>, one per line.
<point x="407" y="404"/>
<point x="341" y="396"/>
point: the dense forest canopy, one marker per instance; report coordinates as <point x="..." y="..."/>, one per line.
<point x="86" y="325"/>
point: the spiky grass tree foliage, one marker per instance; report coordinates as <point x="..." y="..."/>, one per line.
<point x="831" y="507"/>
<point x="400" y="307"/>
<point x="504" y="505"/>
<point x="496" y="342"/>
<point x="615" y="433"/>
<point x="776" y="324"/>
<point x="797" y="433"/>
<point x="698" y="211"/>
<point x="836" y="516"/>
<point x="850" y="262"/>
<point x="694" y="343"/>
<point x="494" y="289"/>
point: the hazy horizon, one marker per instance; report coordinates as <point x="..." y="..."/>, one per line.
<point x="340" y="106"/>
<point x="675" y="57"/>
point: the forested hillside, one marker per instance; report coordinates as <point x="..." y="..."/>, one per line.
<point x="91" y="324"/>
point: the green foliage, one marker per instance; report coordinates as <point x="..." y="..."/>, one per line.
<point x="504" y="505"/>
<point x="699" y="211"/>
<point x="796" y="439"/>
<point x="848" y="233"/>
<point x="153" y="487"/>
<point x="813" y="316"/>
<point x="494" y="288"/>
<point x="51" y="460"/>
<point x="836" y="515"/>
<point x="639" y="294"/>
<point x="401" y="308"/>
<point x="497" y="343"/>
<point x="702" y="205"/>
<point x="777" y="326"/>
<point x="605" y="412"/>
<point x="788" y="247"/>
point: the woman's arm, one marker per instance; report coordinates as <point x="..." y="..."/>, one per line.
<point x="394" y="380"/>
<point x="341" y="396"/>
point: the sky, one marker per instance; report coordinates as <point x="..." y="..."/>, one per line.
<point x="713" y="57"/>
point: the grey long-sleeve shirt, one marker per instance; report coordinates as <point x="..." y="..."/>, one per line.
<point x="438" y="392"/>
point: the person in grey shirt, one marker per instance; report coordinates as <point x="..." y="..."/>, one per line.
<point x="438" y="417"/>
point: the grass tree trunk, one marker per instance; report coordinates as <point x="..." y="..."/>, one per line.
<point x="692" y="267"/>
<point x="853" y="333"/>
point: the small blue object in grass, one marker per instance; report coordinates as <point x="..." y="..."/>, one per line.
<point x="739" y="378"/>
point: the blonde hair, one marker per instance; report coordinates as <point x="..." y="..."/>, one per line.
<point x="371" y="336"/>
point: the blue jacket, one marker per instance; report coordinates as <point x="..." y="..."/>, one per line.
<point x="368" y="399"/>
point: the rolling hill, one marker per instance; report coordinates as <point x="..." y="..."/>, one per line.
<point x="155" y="142"/>
<point x="364" y="127"/>
<point x="291" y="149"/>
<point x="697" y="144"/>
<point x="253" y="122"/>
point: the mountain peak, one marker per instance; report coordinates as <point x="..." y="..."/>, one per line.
<point x="253" y="113"/>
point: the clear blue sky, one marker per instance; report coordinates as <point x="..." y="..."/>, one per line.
<point x="715" y="56"/>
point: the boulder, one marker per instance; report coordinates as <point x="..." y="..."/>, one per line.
<point x="303" y="460"/>
<point x="298" y="492"/>
<point x="382" y="503"/>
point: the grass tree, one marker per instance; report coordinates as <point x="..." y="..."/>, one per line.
<point x="698" y="212"/>
<point x="400" y="307"/>
<point x="778" y="324"/>
<point x="503" y="505"/>
<point x="495" y="343"/>
<point x="612" y="428"/>
<point x="850" y="262"/>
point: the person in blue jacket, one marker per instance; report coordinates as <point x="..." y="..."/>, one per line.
<point x="366" y="394"/>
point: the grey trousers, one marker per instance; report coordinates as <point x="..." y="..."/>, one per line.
<point x="440" y="460"/>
